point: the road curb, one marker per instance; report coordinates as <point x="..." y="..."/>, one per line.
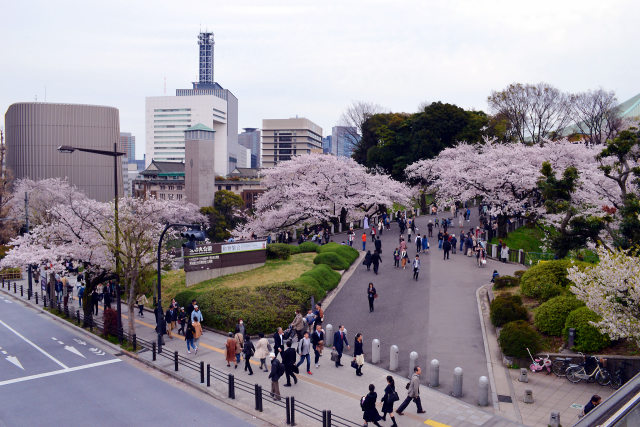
<point x="492" y="381"/>
<point x="346" y="275"/>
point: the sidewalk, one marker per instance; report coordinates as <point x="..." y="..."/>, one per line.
<point x="337" y="389"/>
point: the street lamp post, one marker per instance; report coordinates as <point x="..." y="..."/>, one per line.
<point x="115" y="154"/>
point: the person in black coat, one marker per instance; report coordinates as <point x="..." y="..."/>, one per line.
<point x="446" y="247"/>
<point x="376" y="260"/>
<point x="367" y="260"/>
<point x="248" y="350"/>
<point x="278" y="342"/>
<point x="378" y="245"/>
<point x="388" y="399"/>
<point x="358" y="354"/>
<point x="339" y="341"/>
<point x="106" y="297"/>
<point x="371" y="295"/>
<point x="289" y="362"/>
<point x="95" y="301"/>
<point x="317" y="340"/>
<point x="371" y="414"/>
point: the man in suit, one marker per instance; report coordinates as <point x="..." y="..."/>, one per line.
<point x="289" y="361"/>
<point x="278" y="342"/>
<point x="339" y="341"/>
<point x="317" y="339"/>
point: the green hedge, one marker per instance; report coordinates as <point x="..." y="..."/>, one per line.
<point x="505" y="309"/>
<point x="552" y="315"/>
<point x="547" y="279"/>
<point x="519" y="273"/>
<point x="505" y="282"/>
<point x="347" y="252"/>
<point x="516" y="337"/>
<point x="326" y="278"/>
<point x="333" y="260"/>
<point x="308" y="247"/>
<point x="279" y="251"/>
<point x="588" y="338"/>
<point x="184" y="298"/>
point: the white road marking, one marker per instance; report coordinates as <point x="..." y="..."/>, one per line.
<point x="4" y="352"/>
<point x="58" y="372"/>
<point x="80" y="341"/>
<point x="74" y="351"/>
<point x="97" y="351"/>
<point x="15" y="361"/>
<point x="54" y="338"/>
<point x="60" y="342"/>
<point x="34" y="346"/>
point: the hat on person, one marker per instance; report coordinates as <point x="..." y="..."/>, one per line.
<point x="195" y="306"/>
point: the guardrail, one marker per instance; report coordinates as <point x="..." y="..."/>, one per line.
<point x="292" y="406"/>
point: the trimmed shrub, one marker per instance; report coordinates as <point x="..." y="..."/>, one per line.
<point x="505" y="282"/>
<point x="308" y="247"/>
<point x="184" y="298"/>
<point x="552" y="315"/>
<point x="516" y="337"/>
<point x="547" y="279"/>
<point x="505" y="310"/>
<point x="519" y="273"/>
<point x="588" y="338"/>
<point x="278" y="251"/>
<point x="333" y="260"/>
<point x="294" y="249"/>
<point x="347" y="252"/>
<point x="324" y="275"/>
<point x="110" y="320"/>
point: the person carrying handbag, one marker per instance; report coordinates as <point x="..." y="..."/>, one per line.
<point x="389" y="398"/>
<point x="358" y="355"/>
<point x="371" y="296"/>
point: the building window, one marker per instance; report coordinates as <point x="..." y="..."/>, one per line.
<point x="162" y="187"/>
<point x="179" y="196"/>
<point x="227" y="187"/>
<point x="171" y="187"/>
<point x="179" y="187"/>
<point x="162" y="196"/>
<point x="171" y="196"/>
<point x="219" y="187"/>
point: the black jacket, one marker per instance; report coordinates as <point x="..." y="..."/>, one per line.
<point x="248" y="349"/>
<point x="315" y="339"/>
<point x="277" y="370"/>
<point x="277" y="341"/>
<point x="357" y="348"/>
<point x="289" y="357"/>
<point x="378" y="245"/>
<point x="446" y="245"/>
<point x="370" y="412"/>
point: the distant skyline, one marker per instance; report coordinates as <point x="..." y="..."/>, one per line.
<point x="312" y="59"/>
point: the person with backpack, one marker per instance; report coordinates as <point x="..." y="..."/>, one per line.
<point x="277" y="370"/>
<point x="390" y="396"/>
<point x="188" y="336"/>
<point x="304" y="350"/>
<point x="368" y="405"/>
<point x="413" y="392"/>
<point x="182" y="320"/>
<point x="248" y="350"/>
<point x="416" y="267"/>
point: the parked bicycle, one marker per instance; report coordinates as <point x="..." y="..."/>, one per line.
<point x="561" y="364"/>
<point x="591" y="370"/>
<point x="619" y="377"/>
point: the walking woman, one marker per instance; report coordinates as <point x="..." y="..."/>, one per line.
<point x="262" y="351"/>
<point x="188" y="336"/>
<point x="390" y="396"/>
<point x="358" y="354"/>
<point x="404" y="257"/>
<point x="371" y="414"/>
<point x="371" y="295"/>
<point x="248" y="351"/>
<point x="230" y="354"/>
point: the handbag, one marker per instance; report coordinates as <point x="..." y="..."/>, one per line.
<point x="354" y="365"/>
<point x="334" y="355"/>
<point x="394" y="396"/>
<point x="375" y="295"/>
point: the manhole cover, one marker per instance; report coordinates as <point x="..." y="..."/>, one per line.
<point x="503" y="398"/>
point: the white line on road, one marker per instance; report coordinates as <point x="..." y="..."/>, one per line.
<point x="34" y="346"/>
<point x="58" y="372"/>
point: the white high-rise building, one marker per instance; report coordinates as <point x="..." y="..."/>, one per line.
<point x="208" y="103"/>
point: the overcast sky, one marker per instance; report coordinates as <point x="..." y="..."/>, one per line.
<point x="282" y="58"/>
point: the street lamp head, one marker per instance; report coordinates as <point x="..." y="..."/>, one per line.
<point x="66" y="149"/>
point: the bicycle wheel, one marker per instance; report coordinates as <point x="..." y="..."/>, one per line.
<point x="573" y="374"/>
<point x="616" y="382"/>
<point x="603" y="377"/>
<point x="559" y="368"/>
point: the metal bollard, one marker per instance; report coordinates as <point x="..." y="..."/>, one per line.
<point x="14" y="287"/>
<point x="287" y="401"/>
<point x="293" y="411"/>
<point x="44" y="301"/>
<point x="78" y="318"/>
<point x="483" y="391"/>
<point x="528" y="396"/>
<point x="153" y="350"/>
<point x="554" y="419"/>
<point x="208" y="375"/>
<point x="201" y="372"/>
<point x="413" y="358"/>
<point x="29" y="294"/>
<point x="258" y="394"/>
<point x="36" y="298"/>
<point x="524" y="377"/>
<point x="457" y="382"/>
<point x="393" y="358"/>
<point x="375" y="351"/>
<point x="232" y="389"/>
<point x="134" y="340"/>
<point x="175" y="360"/>
<point x="434" y="373"/>
<point x="328" y="336"/>
<point x="21" y="291"/>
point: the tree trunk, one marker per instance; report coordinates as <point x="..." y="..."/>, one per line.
<point x="130" y="303"/>
<point x="502" y="226"/>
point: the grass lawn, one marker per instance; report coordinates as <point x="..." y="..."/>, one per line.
<point x="528" y="239"/>
<point x="273" y="271"/>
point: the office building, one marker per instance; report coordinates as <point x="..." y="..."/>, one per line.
<point x="343" y="140"/>
<point x="283" y="138"/>
<point x="167" y="117"/>
<point x="35" y="130"/>
<point x="250" y="138"/>
<point x="326" y="144"/>
<point x="199" y="176"/>
<point x="128" y="144"/>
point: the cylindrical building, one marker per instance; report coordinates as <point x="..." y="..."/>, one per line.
<point x="35" y="130"/>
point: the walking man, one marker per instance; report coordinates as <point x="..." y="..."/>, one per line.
<point x="277" y="370"/>
<point x="278" y="342"/>
<point x="141" y="300"/>
<point x="364" y="241"/>
<point x="446" y="246"/>
<point x="304" y="350"/>
<point x="289" y="362"/>
<point x="378" y="244"/>
<point x="416" y="267"/>
<point x="413" y="393"/>
<point x="170" y="317"/>
<point x="376" y="260"/>
<point x="317" y="339"/>
<point x="339" y="341"/>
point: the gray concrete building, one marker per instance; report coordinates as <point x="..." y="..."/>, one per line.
<point x="199" y="172"/>
<point x="250" y="138"/>
<point x="284" y="138"/>
<point x="35" y="130"/>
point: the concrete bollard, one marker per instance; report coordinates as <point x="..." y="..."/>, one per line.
<point x="528" y="396"/>
<point x="375" y="351"/>
<point x="524" y="378"/>
<point x="572" y="337"/>
<point x="434" y="373"/>
<point x="554" y="419"/>
<point x="413" y="359"/>
<point x="483" y="391"/>
<point x="332" y="229"/>
<point x="339" y="227"/>
<point x="418" y="212"/>
<point x="294" y="234"/>
<point x="393" y="358"/>
<point x="457" y="382"/>
<point x="328" y="336"/>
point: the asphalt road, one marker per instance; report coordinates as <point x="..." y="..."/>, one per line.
<point x="51" y="376"/>
<point x="437" y="316"/>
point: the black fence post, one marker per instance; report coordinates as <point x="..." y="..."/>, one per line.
<point x="287" y="402"/>
<point x="134" y="342"/>
<point x="36" y="298"/>
<point x="258" y="395"/>
<point x="324" y="418"/>
<point x="201" y="372"/>
<point x="208" y="375"/>
<point x="21" y="291"/>
<point x="232" y="389"/>
<point x="44" y="300"/>
<point x="153" y="350"/>
<point x="2" y="282"/>
<point x="328" y="418"/>
<point x="120" y="335"/>
<point x="293" y="411"/>
<point x="78" y="316"/>
<point x="14" y="288"/>
<point x="175" y="360"/>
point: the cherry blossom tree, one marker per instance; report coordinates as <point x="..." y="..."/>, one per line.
<point x="612" y="290"/>
<point x="320" y="188"/>
<point x="76" y="227"/>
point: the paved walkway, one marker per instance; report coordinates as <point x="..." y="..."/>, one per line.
<point x="437" y="316"/>
<point x="338" y="389"/>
